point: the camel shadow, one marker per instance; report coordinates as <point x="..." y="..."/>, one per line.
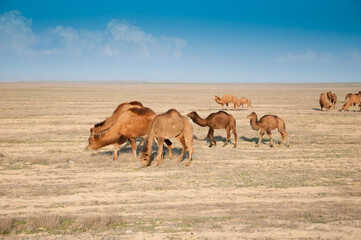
<point x="255" y="140"/>
<point x="316" y="109"/>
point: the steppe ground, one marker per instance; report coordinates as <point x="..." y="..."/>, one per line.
<point x="52" y="188"/>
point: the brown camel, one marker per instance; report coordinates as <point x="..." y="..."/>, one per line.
<point x="107" y="123"/>
<point x="323" y="102"/>
<point x="353" y="100"/>
<point x="244" y="100"/>
<point x="354" y="104"/>
<point x="226" y="99"/>
<point x="134" y="122"/>
<point x="334" y="100"/>
<point x="217" y="120"/>
<point x="329" y="95"/>
<point x="167" y="125"/>
<point x="267" y="123"/>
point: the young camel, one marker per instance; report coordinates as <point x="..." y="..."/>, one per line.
<point x="353" y="100"/>
<point x="226" y="99"/>
<point x="167" y="125"/>
<point x="217" y="120"/>
<point x="244" y="100"/>
<point x="107" y="123"/>
<point x="266" y="124"/>
<point x="323" y="102"/>
<point x="133" y="123"/>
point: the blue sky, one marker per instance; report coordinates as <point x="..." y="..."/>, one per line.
<point x="180" y="41"/>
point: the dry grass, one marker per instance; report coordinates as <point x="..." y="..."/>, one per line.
<point x="51" y="188"/>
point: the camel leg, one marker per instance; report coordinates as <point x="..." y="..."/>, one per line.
<point x="228" y="135"/>
<point x="227" y="106"/>
<point x="235" y="137"/>
<point x="181" y="139"/>
<point x="133" y="144"/>
<point x="270" y="137"/>
<point x="251" y="107"/>
<point x="141" y="141"/>
<point x="210" y="136"/>
<point x="188" y="136"/>
<point x="160" y="151"/>
<point x="169" y="144"/>
<point x="261" y="133"/>
<point x="120" y="141"/>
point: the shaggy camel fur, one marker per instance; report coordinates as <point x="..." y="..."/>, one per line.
<point x="244" y="100"/>
<point x="226" y="99"/>
<point x="353" y="100"/>
<point x="266" y="124"/>
<point x="334" y="100"/>
<point x="323" y="102"/>
<point x="107" y="123"/>
<point x="217" y="120"/>
<point x="167" y="125"/>
<point x="134" y="122"/>
<point x="329" y="95"/>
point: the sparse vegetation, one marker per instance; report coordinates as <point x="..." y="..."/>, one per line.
<point x="51" y="187"/>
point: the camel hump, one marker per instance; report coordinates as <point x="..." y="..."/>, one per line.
<point x="222" y="112"/>
<point x="136" y="103"/>
<point x="141" y="111"/>
<point x="172" y="112"/>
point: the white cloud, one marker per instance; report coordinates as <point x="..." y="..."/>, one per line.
<point x="353" y="54"/>
<point x="307" y="56"/>
<point x="118" y="39"/>
<point x="16" y="34"/>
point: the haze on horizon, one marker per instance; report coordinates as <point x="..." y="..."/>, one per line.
<point x="181" y="41"/>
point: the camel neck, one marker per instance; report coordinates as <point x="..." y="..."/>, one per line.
<point x="254" y="123"/>
<point x="198" y="120"/>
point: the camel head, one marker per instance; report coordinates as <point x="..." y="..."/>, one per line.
<point x="191" y="114"/>
<point x="145" y="159"/>
<point x="216" y="97"/>
<point x="93" y="143"/>
<point x="343" y="108"/>
<point x="252" y="115"/>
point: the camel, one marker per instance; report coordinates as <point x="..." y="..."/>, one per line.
<point x="329" y="95"/>
<point x="107" y="123"/>
<point x="244" y="100"/>
<point x="167" y="125"/>
<point x="334" y="100"/>
<point x="323" y="102"/>
<point x="354" y="104"/>
<point x="217" y="120"/>
<point x="353" y="100"/>
<point x="134" y="122"/>
<point x="226" y="99"/>
<point x="266" y="124"/>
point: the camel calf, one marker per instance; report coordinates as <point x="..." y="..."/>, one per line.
<point x="244" y="100"/>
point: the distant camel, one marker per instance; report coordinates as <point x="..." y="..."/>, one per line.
<point x="329" y="95"/>
<point x="107" y="123"/>
<point x="244" y="100"/>
<point x="266" y="124"/>
<point x="226" y="99"/>
<point x="134" y="122"/>
<point x="334" y="100"/>
<point x="323" y="102"/>
<point x="167" y="125"/>
<point x="354" y="104"/>
<point x="353" y="100"/>
<point x="217" y="120"/>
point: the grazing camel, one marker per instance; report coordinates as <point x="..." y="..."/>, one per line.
<point x="244" y="100"/>
<point x="266" y="124"/>
<point x="217" y="120"/>
<point x="134" y="122"/>
<point x="226" y="99"/>
<point x="354" y="104"/>
<point x="167" y="125"/>
<point x="323" y="102"/>
<point x="107" y="123"/>
<point x="353" y="100"/>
